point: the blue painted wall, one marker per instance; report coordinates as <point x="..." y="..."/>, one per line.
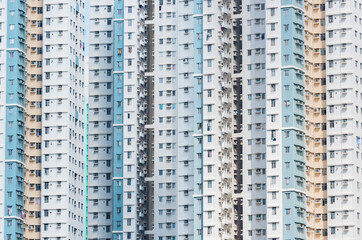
<point x="15" y="118"/>
<point x="198" y="118"/>
<point x="118" y="110"/>
<point x="293" y="118"/>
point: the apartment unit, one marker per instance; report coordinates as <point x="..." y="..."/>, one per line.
<point x="273" y="120"/>
<point x="33" y="120"/>
<point x="316" y="125"/>
<point x="63" y="120"/>
<point x="12" y="117"/>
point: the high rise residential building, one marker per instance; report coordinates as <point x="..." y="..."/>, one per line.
<point x="237" y="111"/>
<point x="316" y="125"/>
<point x="117" y="97"/>
<point x="273" y="120"/>
<point x="217" y="119"/>
<point x="129" y="120"/>
<point x="33" y="119"/>
<point x="182" y="88"/>
<point x="117" y="108"/>
<point x="42" y="105"/>
<point x="100" y="119"/>
<point x="254" y="85"/>
<point x="12" y="117"/>
<point x="3" y="44"/>
<point x="344" y="79"/>
<point x="63" y="114"/>
<point x="307" y="184"/>
<point x="193" y="175"/>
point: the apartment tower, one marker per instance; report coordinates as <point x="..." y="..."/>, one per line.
<point x="344" y="87"/>
<point x="316" y="126"/>
<point x="273" y="120"/>
<point x="3" y="123"/>
<point x="187" y="137"/>
<point x="117" y="113"/>
<point x="12" y="117"/>
<point x="33" y="119"/>
<point x="63" y="109"/>
<point x="193" y="98"/>
<point x="100" y="140"/>
<point x="129" y="120"/>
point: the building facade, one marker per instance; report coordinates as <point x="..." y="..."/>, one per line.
<point x="193" y="124"/>
<point x="343" y="73"/>
<point x="33" y="120"/>
<point x="273" y="120"/>
<point x="254" y="190"/>
<point x="12" y="117"/>
<point x="316" y="125"/>
<point x="117" y="108"/>
<point x="129" y="120"/>
<point x="63" y="111"/>
<point x="222" y="119"/>
<point x="3" y="44"/>
<point x="100" y="119"/>
<point x="177" y="96"/>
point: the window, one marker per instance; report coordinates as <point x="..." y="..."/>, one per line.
<point x="274" y="226"/>
<point x="209" y="63"/>
<point x="273" y="164"/>
<point x="287" y="211"/>
<point x="287" y="195"/>
<point x="272" y="27"/>
<point x="286" y="58"/>
<point x="272" y="42"/>
<point x="287" y="180"/>
<point x="274" y="210"/>
<point x="272" y="12"/>
<point x="274" y="195"/>
<point x="272" y="103"/>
